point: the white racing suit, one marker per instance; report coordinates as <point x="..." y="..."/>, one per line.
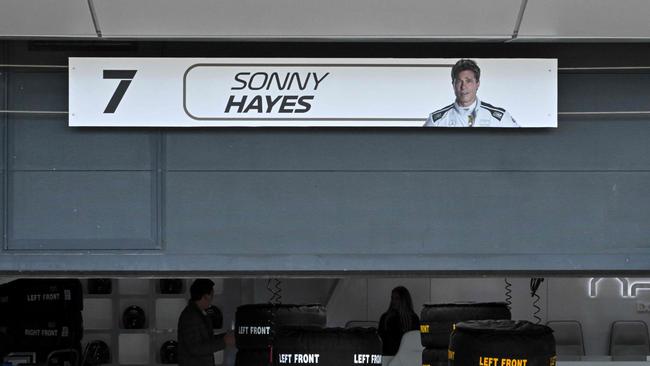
<point x="480" y="114"/>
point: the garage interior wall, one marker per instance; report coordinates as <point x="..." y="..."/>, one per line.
<point x="561" y="298"/>
<point x="223" y="200"/>
<point x="358" y="298"/>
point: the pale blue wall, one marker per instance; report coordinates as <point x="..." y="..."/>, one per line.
<point x="573" y="198"/>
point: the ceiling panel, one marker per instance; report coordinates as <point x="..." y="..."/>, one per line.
<point x="597" y="19"/>
<point x="46" y="18"/>
<point x="308" y="18"/>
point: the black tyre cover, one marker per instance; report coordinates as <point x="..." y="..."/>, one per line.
<point x="437" y="320"/>
<point x="5" y="309"/>
<point x="5" y="342"/>
<point x="434" y="356"/>
<point x="254" y="357"/>
<point x="501" y="343"/>
<point x="41" y="296"/>
<point x="59" y="357"/>
<point x="47" y="332"/>
<point x="326" y="347"/>
<point x="255" y="324"/>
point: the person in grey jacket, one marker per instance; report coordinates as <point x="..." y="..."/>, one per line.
<point x="196" y="341"/>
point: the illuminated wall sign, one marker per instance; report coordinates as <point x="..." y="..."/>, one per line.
<point x="627" y="288"/>
<point x="192" y="92"/>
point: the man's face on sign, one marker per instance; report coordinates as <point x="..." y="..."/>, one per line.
<point x="465" y="88"/>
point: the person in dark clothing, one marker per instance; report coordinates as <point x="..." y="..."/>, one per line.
<point x="397" y="320"/>
<point x="196" y="341"/>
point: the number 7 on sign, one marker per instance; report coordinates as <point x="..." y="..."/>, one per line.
<point x="126" y="76"/>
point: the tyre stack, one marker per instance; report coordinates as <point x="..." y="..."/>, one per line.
<point x="501" y="343"/>
<point x="5" y="340"/>
<point x="327" y="347"/>
<point x="256" y="326"/>
<point x="437" y="322"/>
<point x="42" y="316"/>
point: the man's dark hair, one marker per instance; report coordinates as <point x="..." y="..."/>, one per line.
<point x="465" y="64"/>
<point x="200" y="287"/>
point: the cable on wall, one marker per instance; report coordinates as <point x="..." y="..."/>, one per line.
<point x="508" y="288"/>
<point x="535" y="282"/>
<point x="273" y="285"/>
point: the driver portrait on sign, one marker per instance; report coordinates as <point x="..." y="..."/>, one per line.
<point x="468" y="110"/>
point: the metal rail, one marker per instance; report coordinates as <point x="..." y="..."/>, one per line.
<point x="34" y="66"/>
<point x="589" y="68"/>
<point x="7" y="111"/>
<point x="582" y="113"/>
<point x="560" y="69"/>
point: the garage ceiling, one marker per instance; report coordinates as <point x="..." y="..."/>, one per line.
<point x="528" y="20"/>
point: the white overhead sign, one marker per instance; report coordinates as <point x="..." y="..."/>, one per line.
<point x="199" y="92"/>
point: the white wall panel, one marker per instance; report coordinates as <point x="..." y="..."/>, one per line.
<point x="308" y="18"/>
<point x="348" y="302"/>
<point x="586" y="19"/>
<point x="46" y="18"/>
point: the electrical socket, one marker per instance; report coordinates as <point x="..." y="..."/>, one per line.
<point x="643" y="307"/>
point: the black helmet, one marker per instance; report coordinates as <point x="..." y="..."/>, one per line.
<point x="171" y="286"/>
<point x="169" y="352"/>
<point x="97" y="353"/>
<point x="133" y="317"/>
<point x="99" y="286"/>
<point x="216" y="317"/>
